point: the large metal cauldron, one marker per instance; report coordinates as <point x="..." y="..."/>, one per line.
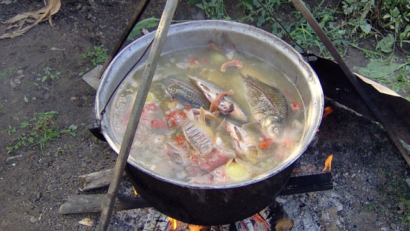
<point x="221" y="204"/>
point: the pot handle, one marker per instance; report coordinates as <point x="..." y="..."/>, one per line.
<point x="95" y="129"/>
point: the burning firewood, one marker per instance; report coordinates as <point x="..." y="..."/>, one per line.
<point x="327" y="111"/>
<point x="28" y="20"/>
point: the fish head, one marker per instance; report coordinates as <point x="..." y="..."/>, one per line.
<point x="168" y="85"/>
<point x="272" y="127"/>
<point x="226" y="47"/>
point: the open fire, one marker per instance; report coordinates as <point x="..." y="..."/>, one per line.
<point x="257" y="222"/>
<point x="175" y="225"/>
<point x="328" y="163"/>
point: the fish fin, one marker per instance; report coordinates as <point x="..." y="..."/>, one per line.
<point x="202" y="115"/>
<point x="214" y="117"/>
<point x="229" y="46"/>
<point x="238" y="134"/>
<point x="190" y="115"/>
<point x="192" y="79"/>
<point x="220" y="126"/>
<point x="250" y="125"/>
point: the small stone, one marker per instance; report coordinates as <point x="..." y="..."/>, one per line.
<point x="20" y="77"/>
<point x="400" y="208"/>
<point x="408" y="182"/>
<point x="19" y="72"/>
<point x="17" y="81"/>
<point x="12" y="84"/>
<point x="393" y="226"/>
<point x="6" y="2"/>
<point x="93" y="77"/>
<point x="280" y="200"/>
<point x="73" y="98"/>
<point x="33" y="219"/>
<point x="38" y="195"/>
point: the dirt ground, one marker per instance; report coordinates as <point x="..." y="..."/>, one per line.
<point x="370" y="191"/>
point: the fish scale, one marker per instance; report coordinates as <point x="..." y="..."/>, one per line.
<point x="184" y="93"/>
<point x="199" y="140"/>
<point x="265" y="100"/>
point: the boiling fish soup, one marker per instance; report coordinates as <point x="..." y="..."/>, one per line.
<point x="211" y="119"/>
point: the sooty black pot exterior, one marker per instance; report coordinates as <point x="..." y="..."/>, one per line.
<point x="204" y="206"/>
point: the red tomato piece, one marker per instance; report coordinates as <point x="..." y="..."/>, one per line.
<point x="158" y="123"/>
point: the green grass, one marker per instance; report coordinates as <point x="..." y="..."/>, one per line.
<point x="48" y="74"/>
<point x="3" y="74"/>
<point x="38" y="131"/>
<point x="97" y="55"/>
<point x="214" y="9"/>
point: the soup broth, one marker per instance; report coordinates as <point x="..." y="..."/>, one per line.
<point x="178" y="140"/>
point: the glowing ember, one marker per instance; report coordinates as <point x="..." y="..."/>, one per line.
<point x="328" y="164"/>
<point x="258" y="219"/>
<point x="284" y="224"/>
<point x="195" y="227"/>
<point x="174" y="223"/>
<point x="327" y="111"/>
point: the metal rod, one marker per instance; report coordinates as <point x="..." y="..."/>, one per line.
<point x="378" y="114"/>
<point x="138" y="105"/>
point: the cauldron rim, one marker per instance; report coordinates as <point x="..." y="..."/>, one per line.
<point x="227" y="26"/>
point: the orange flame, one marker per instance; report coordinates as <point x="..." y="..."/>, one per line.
<point x="174" y="223"/>
<point x="327" y="111"/>
<point x="328" y="163"/>
<point x="195" y="227"/>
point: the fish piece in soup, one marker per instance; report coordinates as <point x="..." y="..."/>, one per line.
<point x="226" y="48"/>
<point x="244" y="145"/>
<point x="225" y="104"/>
<point x="184" y="93"/>
<point x="268" y="105"/>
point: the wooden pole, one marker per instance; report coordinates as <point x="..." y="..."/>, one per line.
<point x="139" y="102"/>
<point x="378" y="114"/>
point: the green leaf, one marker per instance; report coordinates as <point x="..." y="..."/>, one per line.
<point x="386" y="44"/>
<point x="366" y="27"/>
<point x="200" y="6"/>
<point x="192" y="1"/>
<point x="25" y="99"/>
<point x="378" y="68"/>
<point x="395" y="12"/>
<point x="260" y="21"/>
<point x="144" y="24"/>
<point x="44" y="79"/>
<point x="24" y="124"/>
